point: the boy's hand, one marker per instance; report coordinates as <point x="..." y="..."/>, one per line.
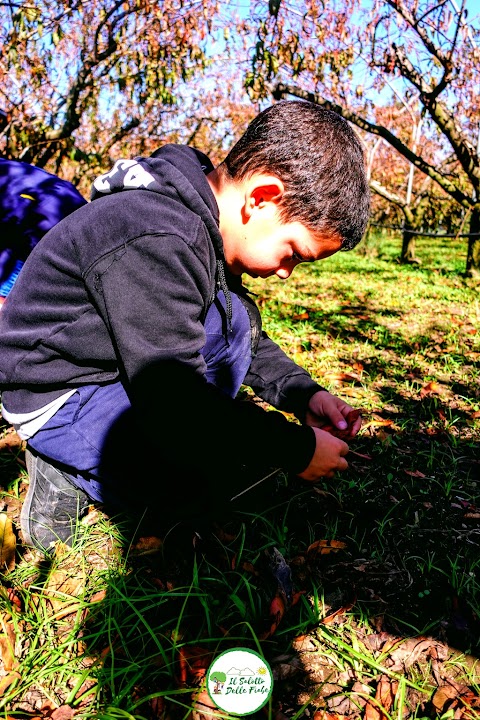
<point x="327" y="458"/>
<point x="325" y="408"/>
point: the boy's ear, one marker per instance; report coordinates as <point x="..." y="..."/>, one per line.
<point x="262" y="191"/>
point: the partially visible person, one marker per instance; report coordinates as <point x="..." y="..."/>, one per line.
<point x="32" y="201"/>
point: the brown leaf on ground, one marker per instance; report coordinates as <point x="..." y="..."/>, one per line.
<point x="193" y="662"/>
<point x="429" y="388"/>
<point x="472" y="706"/>
<point x="376" y="641"/>
<point x="148" y="545"/>
<point x="248" y="567"/>
<point x="64" y="582"/>
<point x="379" y="422"/>
<point x="277" y="611"/>
<point x="8" y="543"/>
<point x="301" y="316"/>
<point x="385" y="697"/>
<point x="325" y="547"/>
<point x="10" y="441"/>
<point x="12" y="596"/>
<point x="360" y="693"/>
<point x="364" y="456"/>
<point x="158" y="708"/>
<point x="64" y="712"/>
<point x="342" y="377"/>
<point x="414" y="473"/>
<point x="282" y="671"/>
<point x="410" y="651"/>
<point x="442" y="696"/>
<point x="335" y="616"/>
<point x="92" y="517"/>
<point x="325" y="715"/>
<point x="6" y="681"/>
<point x="7" y="644"/>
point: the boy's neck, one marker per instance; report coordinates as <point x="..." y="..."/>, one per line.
<point x="229" y="199"/>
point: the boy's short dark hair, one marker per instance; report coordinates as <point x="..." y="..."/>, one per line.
<point x="319" y="159"/>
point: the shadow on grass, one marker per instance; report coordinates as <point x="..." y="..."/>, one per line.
<point x="367" y="322"/>
<point x="406" y="513"/>
<point x="409" y="567"/>
<point x="196" y="576"/>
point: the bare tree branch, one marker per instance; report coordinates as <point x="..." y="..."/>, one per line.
<point x="462" y="198"/>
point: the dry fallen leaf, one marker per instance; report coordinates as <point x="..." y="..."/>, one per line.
<point x="8" y="543"/>
<point x="6" y="681"/>
<point x="342" y="377"/>
<point x="429" y="388"/>
<point x="98" y="596"/>
<point x="64" y="712"/>
<point x="301" y="316"/>
<point x="10" y="440"/>
<point x="414" y="473"/>
<point x="410" y="651"/>
<point x="277" y="611"/>
<point x="324" y="547"/>
<point x="360" y="455"/>
<point x="193" y="663"/>
<point x="7" y="644"/>
<point x="148" y="545"/>
<point x="385" y="696"/>
<point x="443" y="695"/>
<point x="378" y="421"/>
<point x="336" y="616"/>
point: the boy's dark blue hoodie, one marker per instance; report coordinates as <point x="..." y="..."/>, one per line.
<point x="120" y="290"/>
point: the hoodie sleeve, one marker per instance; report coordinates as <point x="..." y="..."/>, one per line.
<point x="277" y="379"/>
<point x="151" y="294"/>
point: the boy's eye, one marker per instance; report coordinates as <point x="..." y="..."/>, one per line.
<point x="297" y="257"/>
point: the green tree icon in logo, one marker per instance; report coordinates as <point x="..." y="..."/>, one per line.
<point x="219" y="678"/>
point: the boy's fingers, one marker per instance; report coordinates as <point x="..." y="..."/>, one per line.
<point x="337" y="419"/>
<point x="356" y="426"/>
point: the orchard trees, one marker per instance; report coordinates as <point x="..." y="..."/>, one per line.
<point x="77" y="78"/>
<point x="355" y="56"/>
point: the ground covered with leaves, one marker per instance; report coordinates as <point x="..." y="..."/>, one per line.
<point x="362" y="592"/>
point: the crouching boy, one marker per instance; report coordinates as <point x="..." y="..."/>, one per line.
<point x="129" y="333"/>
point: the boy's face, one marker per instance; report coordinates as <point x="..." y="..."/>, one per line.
<point x="268" y="246"/>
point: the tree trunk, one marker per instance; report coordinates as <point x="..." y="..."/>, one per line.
<point x="408" y="247"/>
<point x="473" y="254"/>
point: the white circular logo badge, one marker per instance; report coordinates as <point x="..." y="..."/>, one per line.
<point x="239" y="681"/>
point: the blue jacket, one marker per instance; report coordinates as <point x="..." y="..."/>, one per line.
<point x="31" y="202"/>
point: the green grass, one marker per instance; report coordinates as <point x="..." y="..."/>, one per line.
<point x="116" y="628"/>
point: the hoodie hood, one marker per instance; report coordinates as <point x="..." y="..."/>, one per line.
<point x="176" y="171"/>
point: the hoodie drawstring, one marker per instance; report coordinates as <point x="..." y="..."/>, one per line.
<point x="228" y="298"/>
